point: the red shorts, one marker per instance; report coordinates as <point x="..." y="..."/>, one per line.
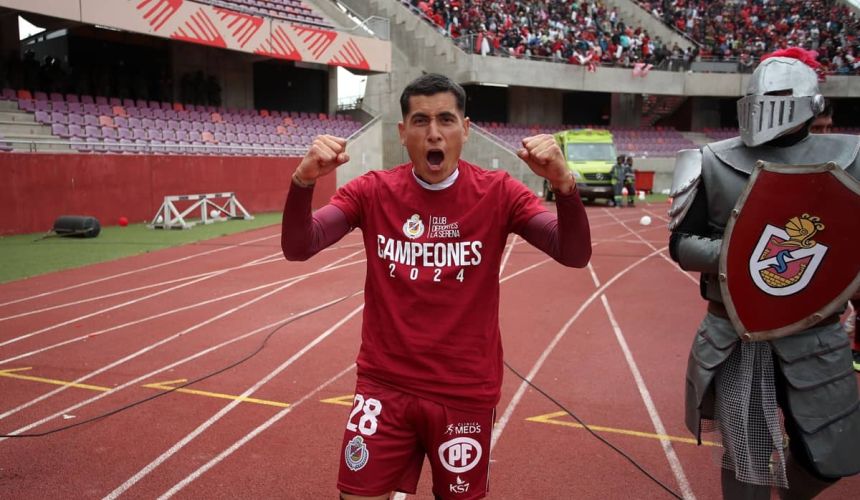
<point x="389" y="433"/>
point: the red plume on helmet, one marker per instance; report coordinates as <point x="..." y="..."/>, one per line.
<point x="808" y="57"/>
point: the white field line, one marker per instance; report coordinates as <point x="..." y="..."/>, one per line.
<point x="657" y="422"/>
<point x="173" y="365"/>
<point x="515" y="400"/>
<point x="507" y="254"/>
<point x="140" y="270"/>
<point x="593" y="275"/>
<point x="97" y="333"/>
<point x="146" y="349"/>
<point x="121" y="305"/>
<point x="229" y="407"/>
<point x="251" y="435"/>
<point x="663" y="255"/>
<point x="256" y="262"/>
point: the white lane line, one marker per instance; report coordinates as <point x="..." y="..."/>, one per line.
<point x="124" y="304"/>
<point x="593" y="275"/>
<point x="515" y="400"/>
<point x="286" y="284"/>
<point x="138" y="289"/>
<point x="251" y="435"/>
<point x="169" y="312"/>
<point x="663" y="255"/>
<point x="507" y="255"/>
<point x="224" y="411"/>
<point x="174" y="365"/>
<point x="659" y="428"/>
<point x="140" y="270"/>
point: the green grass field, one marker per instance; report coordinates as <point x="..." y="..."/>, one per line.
<point x="27" y="255"/>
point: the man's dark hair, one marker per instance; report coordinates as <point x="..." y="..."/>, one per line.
<point x="431" y="84"/>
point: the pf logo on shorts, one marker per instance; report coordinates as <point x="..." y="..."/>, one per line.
<point x="460" y="454"/>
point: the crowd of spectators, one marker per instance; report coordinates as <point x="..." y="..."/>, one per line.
<point x="579" y="32"/>
<point x="589" y="33"/>
<point x="743" y="31"/>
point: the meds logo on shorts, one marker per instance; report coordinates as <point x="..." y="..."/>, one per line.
<point x="413" y="227"/>
<point x="356" y="453"/>
<point x="460" y="454"/>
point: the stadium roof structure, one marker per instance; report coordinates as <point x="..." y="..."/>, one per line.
<point x="221" y="27"/>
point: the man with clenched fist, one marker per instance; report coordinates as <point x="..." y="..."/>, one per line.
<point x="434" y="229"/>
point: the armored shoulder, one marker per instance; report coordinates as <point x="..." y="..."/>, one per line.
<point x="685" y="180"/>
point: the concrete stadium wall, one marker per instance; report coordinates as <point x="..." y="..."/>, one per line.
<point x="365" y="154"/>
<point x="38" y="188"/>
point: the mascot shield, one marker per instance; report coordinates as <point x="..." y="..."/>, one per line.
<point x="790" y="251"/>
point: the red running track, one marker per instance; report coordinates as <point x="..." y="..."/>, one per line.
<point x="610" y="342"/>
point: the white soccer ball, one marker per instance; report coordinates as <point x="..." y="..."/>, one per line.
<point x="159" y="219"/>
<point x="214" y="213"/>
<point x="645" y="220"/>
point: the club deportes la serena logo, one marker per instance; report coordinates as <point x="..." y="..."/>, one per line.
<point x="413" y="227"/>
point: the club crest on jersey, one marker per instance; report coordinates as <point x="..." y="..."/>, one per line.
<point x="356" y="453"/>
<point x="413" y="227"/>
<point x="785" y="259"/>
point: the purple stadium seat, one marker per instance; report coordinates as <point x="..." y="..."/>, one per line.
<point x="90" y="109"/>
<point x="93" y="131"/>
<point x="139" y="134"/>
<point x="77" y="131"/>
<point x="43" y="117"/>
<point x="57" y="117"/>
<point x="8" y="94"/>
<point x="134" y="122"/>
<point x="26" y="105"/>
<point x="115" y="101"/>
<point x="60" y="130"/>
<point x="75" y="107"/>
<point x="124" y="133"/>
<point x="148" y="123"/>
<point x="96" y="145"/>
<point x="127" y="103"/>
<point x="169" y="135"/>
<point x="127" y="146"/>
<point x="109" y="133"/>
<point x="154" y="135"/>
<point x="73" y="98"/>
<point x="140" y="103"/>
<point x="90" y="119"/>
<point x="101" y="99"/>
<point x="194" y="135"/>
<point x="121" y="121"/>
<point x="60" y="106"/>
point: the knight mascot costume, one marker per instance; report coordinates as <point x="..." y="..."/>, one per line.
<point x="770" y="220"/>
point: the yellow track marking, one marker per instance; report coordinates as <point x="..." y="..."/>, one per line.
<point x="339" y="400"/>
<point x="168" y="385"/>
<point x="550" y="418"/>
<point x="10" y="373"/>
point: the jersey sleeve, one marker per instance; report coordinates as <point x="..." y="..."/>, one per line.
<point x="350" y="199"/>
<point x="523" y="204"/>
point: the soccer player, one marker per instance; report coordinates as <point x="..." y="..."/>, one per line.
<point x="434" y="229"/>
<point x="738" y="387"/>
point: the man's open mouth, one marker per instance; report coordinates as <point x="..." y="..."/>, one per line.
<point x="435" y="157"/>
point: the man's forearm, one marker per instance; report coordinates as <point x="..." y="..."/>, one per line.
<point x="565" y="237"/>
<point x="304" y="234"/>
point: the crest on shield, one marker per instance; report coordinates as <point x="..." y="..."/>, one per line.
<point x="789" y="251"/>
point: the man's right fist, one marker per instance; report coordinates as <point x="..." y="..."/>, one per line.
<point x="326" y="153"/>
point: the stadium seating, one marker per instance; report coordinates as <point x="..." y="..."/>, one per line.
<point x="93" y="124"/>
<point x="291" y="10"/>
<point x="656" y="142"/>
